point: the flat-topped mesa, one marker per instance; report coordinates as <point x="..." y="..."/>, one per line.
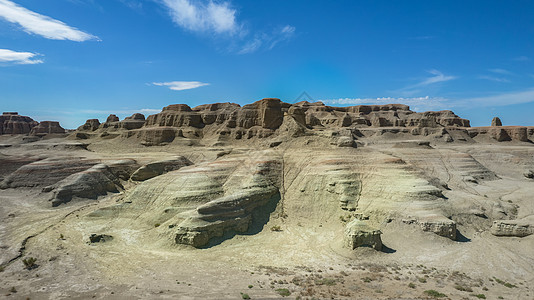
<point x="176" y="115"/>
<point x="13" y="123"/>
<point x="47" y="127"/>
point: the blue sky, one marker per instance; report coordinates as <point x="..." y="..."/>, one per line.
<point x="70" y="60"/>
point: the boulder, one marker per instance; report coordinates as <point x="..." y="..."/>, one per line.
<point x="100" y="238"/>
<point x="345" y="141"/>
<point x="529" y="174"/>
<point x="159" y="167"/>
<point x="359" y="234"/>
<point x="496" y="122"/>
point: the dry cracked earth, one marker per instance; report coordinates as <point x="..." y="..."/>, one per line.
<point x="267" y="201"/>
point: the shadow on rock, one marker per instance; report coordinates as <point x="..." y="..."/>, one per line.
<point x="260" y="217"/>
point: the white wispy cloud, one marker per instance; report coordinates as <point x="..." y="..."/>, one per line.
<point x="144" y="111"/>
<point x="439" y="103"/>
<point x="21" y="58"/>
<point x="501" y="99"/>
<point x="493" y="78"/>
<point x="219" y="19"/>
<point x="500" y="71"/>
<point x="419" y="87"/>
<point x="438" y="77"/>
<point x="268" y="41"/>
<point x="181" y="85"/>
<point x="522" y="58"/>
<point x="35" y="23"/>
<point x="415" y="103"/>
<point x="203" y="16"/>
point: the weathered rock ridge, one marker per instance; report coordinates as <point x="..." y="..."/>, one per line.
<point x="218" y="123"/>
<point x="13" y="123"/>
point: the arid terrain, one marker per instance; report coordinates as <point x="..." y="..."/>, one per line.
<point x="270" y="200"/>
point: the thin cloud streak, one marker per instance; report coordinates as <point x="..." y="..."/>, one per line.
<point x="415" y="103"/>
<point x="121" y="111"/>
<point x="501" y="71"/>
<point x="34" y="23"/>
<point x="493" y="78"/>
<point x="181" y="85"/>
<point x="522" y="58"/>
<point x="437" y="103"/>
<point x="503" y="99"/>
<point x="438" y="77"/>
<point x="418" y="87"/>
<point x="269" y="41"/>
<point x="20" y="58"/>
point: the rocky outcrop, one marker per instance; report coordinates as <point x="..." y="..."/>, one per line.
<point x="91" y="183"/>
<point x="47" y="127"/>
<point x="270" y="116"/>
<point x="439" y="225"/>
<point x="158" y="135"/>
<point x="46" y="172"/>
<point x="90" y="125"/>
<point x="10" y="164"/>
<point x="518" y="228"/>
<point x="13" y="123"/>
<point x="159" y="167"/>
<point x="113" y="123"/>
<point x="500" y="133"/>
<point x="134" y="121"/>
<point x="359" y="234"/>
<point x="226" y="214"/>
<point x="496" y="122"/>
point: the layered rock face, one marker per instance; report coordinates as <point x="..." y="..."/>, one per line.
<point x="13" y="123"/>
<point x="270" y="116"/>
<point x="46" y="172"/>
<point x="501" y="133"/>
<point x="90" y="125"/>
<point x="518" y="228"/>
<point x="157" y="168"/>
<point x="359" y="234"/>
<point x="47" y="127"/>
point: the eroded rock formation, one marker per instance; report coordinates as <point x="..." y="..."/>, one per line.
<point x="47" y="127"/>
<point x="271" y="116"/>
<point x="13" y="123"/>
<point x="518" y="228"/>
<point x="359" y="234"/>
<point x="157" y="168"/>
